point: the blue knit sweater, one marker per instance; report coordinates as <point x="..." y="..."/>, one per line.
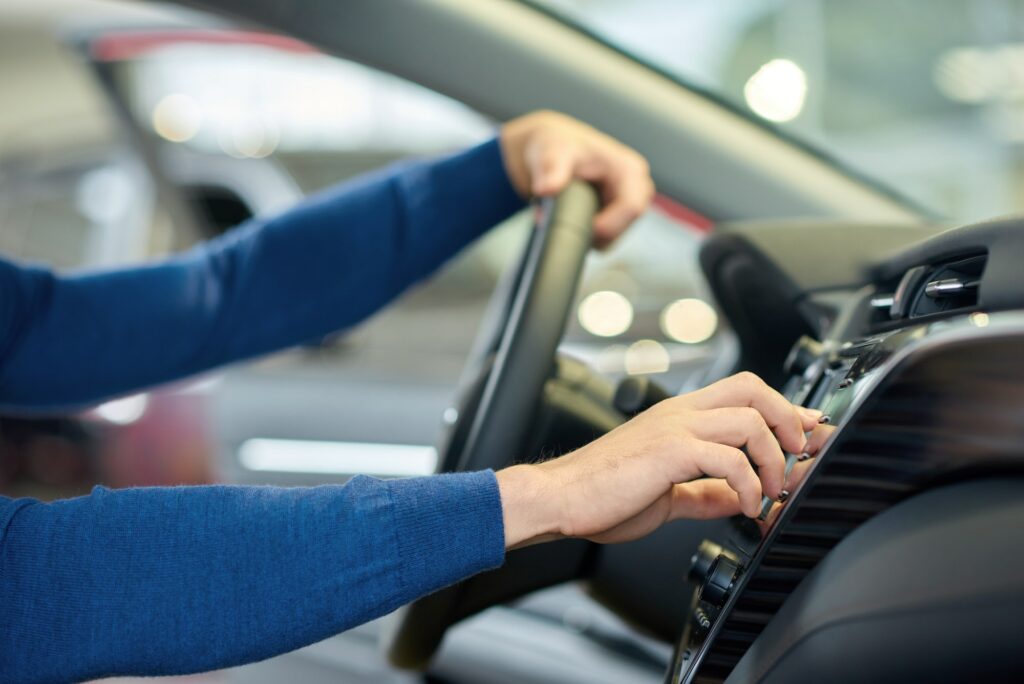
<point x="183" y="579"/>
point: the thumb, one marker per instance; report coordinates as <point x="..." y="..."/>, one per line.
<point x="550" y="171"/>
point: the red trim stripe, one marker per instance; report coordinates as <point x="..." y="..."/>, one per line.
<point x="683" y="214"/>
<point x="126" y="45"/>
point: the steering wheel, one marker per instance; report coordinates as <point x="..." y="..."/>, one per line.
<point x="512" y="359"/>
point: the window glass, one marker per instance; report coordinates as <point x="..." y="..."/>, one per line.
<point x="924" y="95"/>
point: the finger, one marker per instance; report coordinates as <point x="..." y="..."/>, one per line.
<point x="745" y="427"/>
<point x="797" y="475"/>
<point x="628" y="195"/>
<point x="729" y="463"/>
<point x="704" y="500"/>
<point x="550" y="166"/>
<point x="769" y="519"/>
<point x="746" y="389"/>
<point x="818" y="437"/>
<point x="810" y="417"/>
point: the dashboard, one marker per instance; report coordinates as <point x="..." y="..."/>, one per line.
<point x="915" y="358"/>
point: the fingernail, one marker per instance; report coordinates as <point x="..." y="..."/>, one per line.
<point x="825" y="420"/>
<point x="803" y="457"/>
<point x="783" y="495"/>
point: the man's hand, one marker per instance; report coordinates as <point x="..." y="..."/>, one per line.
<point x="640" y="475"/>
<point x="543" y="151"/>
<point x="815" y="441"/>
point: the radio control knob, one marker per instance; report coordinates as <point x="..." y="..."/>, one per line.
<point x="721" y="577"/>
<point x="703" y="559"/>
<point x="805" y="352"/>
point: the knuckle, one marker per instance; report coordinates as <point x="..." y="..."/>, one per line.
<point x="672" y="442"/>
<point x="675" y="404"/>
<point x="737" y="460"/>
<point x="749" y="380"/>
<point x="552" y="147"/>
<point x="639" y="163"/>
<point x="546" y="116"/>
<point x="649" y="191"/>
<point x="751" y="418"/>
<point x="687" y="443"/>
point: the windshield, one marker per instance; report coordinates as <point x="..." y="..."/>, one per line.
<point x="926" y="96"/>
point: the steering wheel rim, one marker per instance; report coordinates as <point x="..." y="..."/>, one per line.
<point x="516" y="361"/>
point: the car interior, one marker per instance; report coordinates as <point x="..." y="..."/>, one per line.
<point x="892" y="560"/>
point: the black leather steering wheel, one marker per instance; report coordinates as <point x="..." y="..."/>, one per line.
<point x="511" y="362"/>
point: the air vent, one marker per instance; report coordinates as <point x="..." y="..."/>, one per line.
<point x="862" y="482"/>
<point x="950" y="415"/>
<point x="939" y="289"/>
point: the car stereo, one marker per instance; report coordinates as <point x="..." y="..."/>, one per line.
<point x="898" y="432"/>
<point x="920" y="373"/>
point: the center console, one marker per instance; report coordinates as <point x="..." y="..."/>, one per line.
<point x="920" y="373"/>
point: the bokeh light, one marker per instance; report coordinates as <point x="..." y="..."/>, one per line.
<point x="646" y="356"/>
<point x="177" y="118"/>
<point x="124" y="411"/>
<point x="605" y="313"/>
<point x="777" y="91"/>
<point x="689" y="320"/>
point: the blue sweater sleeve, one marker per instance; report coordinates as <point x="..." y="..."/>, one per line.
<point x="67" y="340"/>
<point x="187" y="579"/>
<point x="157" y="581"/>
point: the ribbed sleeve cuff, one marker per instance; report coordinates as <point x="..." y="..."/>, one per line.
<point x="448" y="528"/>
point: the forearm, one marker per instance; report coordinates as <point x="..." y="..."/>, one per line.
<point x="270" y="284"/>
<point x="175" y="580"/>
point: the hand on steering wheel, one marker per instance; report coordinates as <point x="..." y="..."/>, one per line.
<point x="544" y="151"/>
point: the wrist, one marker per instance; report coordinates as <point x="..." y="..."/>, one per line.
<point x="511" y="141"/>
<point x="530" y="507"/>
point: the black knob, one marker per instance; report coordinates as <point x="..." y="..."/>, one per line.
<point x="721" y="576"/>
<point x="638" y="393"/>
<point x="805" y="351"/>
<point x="701" y="561"/>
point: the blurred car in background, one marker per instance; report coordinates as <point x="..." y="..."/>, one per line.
<point x="94" y="207"/>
